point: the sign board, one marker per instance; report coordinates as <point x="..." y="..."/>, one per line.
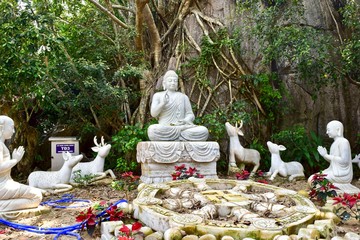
<point x="60" y="145"/>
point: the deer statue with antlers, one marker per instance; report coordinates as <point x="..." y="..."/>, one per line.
<point x="96" y="166"/>
<point x="237" y="153"/>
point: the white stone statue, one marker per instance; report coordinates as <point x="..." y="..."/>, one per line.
<point x="96" y="166"/>
<point x="239" y="154"/>
<point x="278" y="166"/>
<point x="13" y="195"/>
<point x="340" y="171"/>
<point x="356" y="160"/>
<point x="55" y="181"/>
<point x="173" y="109"/>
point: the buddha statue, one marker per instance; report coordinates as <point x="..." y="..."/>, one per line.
<point x="173" y="110"/>
<point x="340" y="171"/>
<point x="13" y="195"/>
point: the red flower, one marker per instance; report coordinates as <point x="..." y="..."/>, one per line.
<point x="88" y="217"/>
<point x="262" y="181"/>
<point x="114" y="213"/>
<point x="191" y="171"/>
<point x="125" y="238"/>
<point x="179" y="168"/>
<point x="125" y="229"/>
<point x="318" y="177"/>
<point x="243" y="175"/>
<point x="260" y="173"/>
<point x="127" y="174"/>
<point x="198" y="175"/>
<point x="332" y="186"/>
<point x="312" y="193"/>
<point x="346" y="200"/>
<point x="136" y="226"/>
<point x="175" y="175"/>
<point x="358" y="196"/>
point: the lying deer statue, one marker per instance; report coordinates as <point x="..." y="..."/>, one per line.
<point x="55" y="181"/>
<point x="237" y="153"/>
<point x="96" y="166"/>
<point x="293" y="169"/>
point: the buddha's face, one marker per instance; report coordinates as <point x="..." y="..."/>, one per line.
<point x="171" y="83"/>
<point x="332" y="130"/>
<point x="8" y="129"/>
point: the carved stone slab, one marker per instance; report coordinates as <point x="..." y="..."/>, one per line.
<point x="159" y="158"/>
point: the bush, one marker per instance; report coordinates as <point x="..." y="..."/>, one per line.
<point x="124" y="147"/>
<point x="301" y="147"/>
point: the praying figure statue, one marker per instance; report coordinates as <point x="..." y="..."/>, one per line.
<point x="340" y="171"/>
<point x="173" y="110"/>
<point x="13" y="195"/>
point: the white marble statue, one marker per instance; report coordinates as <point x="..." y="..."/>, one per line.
<point x="55" y="181"/>
<point x="356" y="160"/>
<point x="340" y="171"/>
<point x="173" y="110"/>
<point x="96" y="166"/>
<point x="278" y="166"/>
<point x="13" y="195"/>
<point x="239" y="154"/>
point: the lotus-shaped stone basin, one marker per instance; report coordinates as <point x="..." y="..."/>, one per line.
<point x="223" y="207"/>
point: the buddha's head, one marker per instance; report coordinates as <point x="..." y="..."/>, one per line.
<point x="170" y="81"/>
<point x="6" y="127"/>
<point x="334" y="129"/>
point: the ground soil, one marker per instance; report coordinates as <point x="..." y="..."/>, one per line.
<point x="103" y="191"/>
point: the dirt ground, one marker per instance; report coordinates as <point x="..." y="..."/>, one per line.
<point x="103" y="191"/>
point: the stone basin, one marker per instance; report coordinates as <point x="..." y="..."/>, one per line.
<point x="235" y="208"/>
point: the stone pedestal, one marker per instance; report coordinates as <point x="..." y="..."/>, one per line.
<point x="159" y="158"/>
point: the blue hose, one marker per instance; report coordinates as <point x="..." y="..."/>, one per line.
<point x="59" y="230"/>
<point x="66" y="198"/>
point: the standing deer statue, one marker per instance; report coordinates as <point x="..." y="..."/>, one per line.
<point x="292" y="169"/>
<point x="237" y="153"/>
<point x="55" y="181"/>
<point x="96" y="166"/>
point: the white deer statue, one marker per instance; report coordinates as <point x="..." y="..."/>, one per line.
<point x="96" y="166"/>
<point x="55" y="181"/>
<point x="356" y="160"/>
<point x="292" y="169"/>
<point x="237" y="153"/>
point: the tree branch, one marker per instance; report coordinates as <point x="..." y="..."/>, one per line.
<point x="109" y="14"/>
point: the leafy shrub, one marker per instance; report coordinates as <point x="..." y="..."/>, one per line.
<point x="349" y="206"/>
<point x="124" y="147"/>
<point x="321" y="188"/>
<point x="83" y="180"/>
<point x="301" y="147"/>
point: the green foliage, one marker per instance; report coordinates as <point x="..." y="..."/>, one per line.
<point x="348" y="206"/>
<point x="127" y="183"/>
<point x="124" y="145"/>
<point x="309" y="51"/>
<point x="215" y="121"/>
<point x="83" y="180"/>
<point x="301" y="147"/>
<point x="350" y="51"/>
<point x="269" y="97"/>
